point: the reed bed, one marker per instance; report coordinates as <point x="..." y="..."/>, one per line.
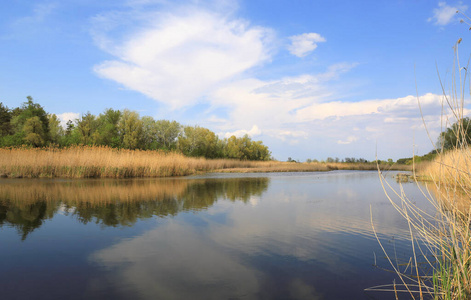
<point x="450" y="168"/>
<point x="105" y="162"/>
<point x="267" y="167"/>
<point x="440" y="242"/>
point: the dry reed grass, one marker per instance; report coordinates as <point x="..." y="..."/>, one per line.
<point x="441" y="241"/>
<point x="275" y="166"/>
<point x="451" y="167"/>
<point x="105" y="162"/>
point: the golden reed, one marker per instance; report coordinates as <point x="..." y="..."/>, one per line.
<point x="106" y="162"/>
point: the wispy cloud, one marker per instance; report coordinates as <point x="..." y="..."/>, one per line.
<point x="303" y="44"/>
<point x="35" y="20"/>
<point x="178" y="58"/>
<point x="445" y="14"/>
<point x="193" y="55"/>
<point x="41" y="12"/>
<point x="349" y="140"/>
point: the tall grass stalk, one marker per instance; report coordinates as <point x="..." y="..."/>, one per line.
<point x="105" y="162"/>
<point x="443" y="240"/>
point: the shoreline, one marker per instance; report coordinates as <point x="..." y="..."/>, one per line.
<point x="278" y="167"/>
<point x="105" y="162"/>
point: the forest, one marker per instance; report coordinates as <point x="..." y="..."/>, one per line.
<point x="31" y="125"/>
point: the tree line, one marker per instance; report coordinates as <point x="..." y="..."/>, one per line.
<point x="31" y="125"/>
<point x="336" y="160"/>
<point x="456" y="136"/>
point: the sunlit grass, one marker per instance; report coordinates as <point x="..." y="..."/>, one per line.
<point x="443" y="240"/>
<point x="105" y="162"/>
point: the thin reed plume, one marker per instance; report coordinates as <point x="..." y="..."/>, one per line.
<point x="441" y="242"/>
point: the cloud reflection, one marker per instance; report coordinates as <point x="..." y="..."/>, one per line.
<point x="196" y="269"/>
<point x="303" y="229"/>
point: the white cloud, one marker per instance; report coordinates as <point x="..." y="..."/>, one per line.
<point x="399" y="106"/>
<point x="67" y="116"/>
<point x="291" y="136"/>
<point x="272" y="104"/>
<point x="444" y="14"/>
<point x="349" y="140"/>
<point x="239" y="133"/>
<point x="309" y="109"/>
<point x="303" y="44"/>
<point x="197" y="56"/>
<point x="178" y="58"/>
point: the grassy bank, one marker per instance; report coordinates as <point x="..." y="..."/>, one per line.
<point x="440" y="267"/>
<point x="446" y="235"/>
<point x="441" y="243"/>
<point x="312" y="167"/>
<point x="105" y="162"/>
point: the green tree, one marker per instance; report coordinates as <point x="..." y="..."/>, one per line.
<point x="245" y="148"/>
<point x="34" y="132"/>
<point x="86" y="128"/>
<point x="130" y="129"/>
<point x="458" y="135"/>
<point x="161" y="134"/>
<point x="260" y="151"/>
<point x="56" y="132"/>
<point x="28" y="110"/>
<point x="149" y="133"/>
<point x="167" y="133"/>
<point x="199" y="141"/>
<point x="107" y="128"/>
<point x="71" y="135"/>
<point x="5" y="118"/>
<point x="232" y="149"/>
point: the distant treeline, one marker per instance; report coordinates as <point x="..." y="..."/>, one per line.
<point x="456" y="136"/>
<point x="31" y="125"/>
<point x="348" y="160"/>
<point x="417" y="159"/>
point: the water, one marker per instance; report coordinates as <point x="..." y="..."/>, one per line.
<point x="219" y="236"/>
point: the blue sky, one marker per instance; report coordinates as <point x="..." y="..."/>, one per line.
<point x="311" y="79"/>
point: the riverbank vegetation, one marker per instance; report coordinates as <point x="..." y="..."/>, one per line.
<point x="32" y="126"/>
<point x="121" y="144"/>
<point x="441" y="243"/>
<point x="106" y="162"/>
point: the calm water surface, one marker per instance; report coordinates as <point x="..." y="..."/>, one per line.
<point x="241" y="236"/>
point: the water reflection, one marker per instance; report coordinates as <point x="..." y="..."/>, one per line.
<point x="308" y="238"/>
<point x="25" y="218"/>
<point x="269" y="236"/>
<point x="26" y="204"/>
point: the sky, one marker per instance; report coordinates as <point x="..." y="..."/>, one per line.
<point x="310" y="78"/>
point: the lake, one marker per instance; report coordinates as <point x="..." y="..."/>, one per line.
<point x="217" y="236"/>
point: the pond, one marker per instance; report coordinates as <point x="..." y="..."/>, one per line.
<point x="217" y="236"/>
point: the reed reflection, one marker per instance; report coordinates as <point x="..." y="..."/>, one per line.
<point x="26" y="204"/>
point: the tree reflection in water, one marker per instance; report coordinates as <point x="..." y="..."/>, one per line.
<point x="26" y="204"/>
